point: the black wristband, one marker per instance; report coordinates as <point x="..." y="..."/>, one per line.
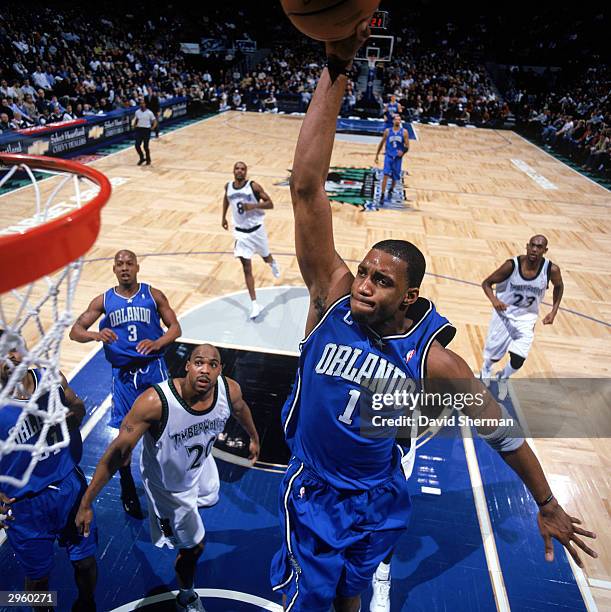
<point x="545" y="501"/>
<point x="337" y="67"/>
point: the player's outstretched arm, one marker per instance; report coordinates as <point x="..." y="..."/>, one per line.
<point x="445" y="365"/>
<point x="498" y="276"/>
<point x="80" y="330"/>
<point x="168" y="316"/>
<point x="558" y="284"/>
<point x="241" y="413"/>
<point x="145" y="411"/>
<point x="324" y="272"/>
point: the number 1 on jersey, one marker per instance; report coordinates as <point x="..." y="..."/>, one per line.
<point x="346" y="416"/>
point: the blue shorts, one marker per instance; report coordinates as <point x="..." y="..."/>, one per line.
<point x="129" y="382"/>
<point x="334" y="540"/>
<point x="48" y="516"/>
<point x="392" y="167"/>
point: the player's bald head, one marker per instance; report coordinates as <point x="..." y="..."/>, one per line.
<point x="207" y="351"/>
<point x="125" y="253"/>
<point x="539" y="239"/>
<point x="240" y="163"/>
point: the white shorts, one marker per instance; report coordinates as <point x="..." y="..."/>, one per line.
<point x="508" y="335"/>
<point x="173" y="516"/>
<point x="247" y="245"/>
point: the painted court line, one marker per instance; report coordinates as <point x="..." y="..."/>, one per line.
<point x="263" y="604"/>
<point x="533" y="174"/>
<point x="485" y="525"/>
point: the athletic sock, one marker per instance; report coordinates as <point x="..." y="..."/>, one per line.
<point x="186" y="595"/>
<point x="507" y="371"/>
<point x="383" y="571"/>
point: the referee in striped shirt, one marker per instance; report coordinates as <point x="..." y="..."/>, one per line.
<point x="145" y="121"/>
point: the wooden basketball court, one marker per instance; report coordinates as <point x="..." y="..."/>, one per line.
<point x="475" y="198"/>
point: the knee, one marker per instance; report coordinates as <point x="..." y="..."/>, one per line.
<point x="516" y="361"/>
<point x="247" y="265"/>
<point x="186" y="555"/>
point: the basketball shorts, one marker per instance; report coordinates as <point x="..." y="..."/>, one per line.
<point x="47" y="517"/>
<point x="254" y="243"/>
<point x="173" y="516"/>
<point x="333" y="540"/>
<point x="392" y="167"/>
<point x="128" y="383"/>
<point x="508" y="335"/>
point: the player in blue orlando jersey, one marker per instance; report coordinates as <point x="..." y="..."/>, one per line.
<point x="43" y="510"/>
<point x="396" y="141"/>
<point x="344" y="500"/>
<point x="391" y="108"/>
<point x="134" y="344"/>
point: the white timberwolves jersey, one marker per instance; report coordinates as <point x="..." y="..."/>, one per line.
<point x="173" y="454"/>
<point x="523" y="296"/>
<point x="244" y="219"/>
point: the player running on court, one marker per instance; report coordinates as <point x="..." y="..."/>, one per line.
<point x="248" y="202"/>
<point x="180" y="419"/>
<point x="134" y="344"/>
<point x="344" y="500"/>
<point x="521" y="283"/>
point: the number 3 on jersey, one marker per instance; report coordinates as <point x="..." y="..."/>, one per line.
<point x="133" y="333"/>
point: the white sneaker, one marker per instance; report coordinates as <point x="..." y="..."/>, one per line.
<point x="255" y="311"/>
<point x="503" y="387"/>
<point x="380" y="600"/>
<point x="275" y="269"/>
<point x="193" y="606"/>
<point x="485" y="376"/>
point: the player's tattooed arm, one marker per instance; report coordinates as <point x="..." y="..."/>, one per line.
<point x="145" y="412"/>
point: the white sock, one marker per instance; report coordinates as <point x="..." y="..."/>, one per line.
<point x="507" y="371"/>
<point x="383" y="571"/>
<point x="253" y="303"/>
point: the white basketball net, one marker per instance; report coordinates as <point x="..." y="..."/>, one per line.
<point x="35" y="318"/>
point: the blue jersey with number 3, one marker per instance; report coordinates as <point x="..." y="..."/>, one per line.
<point x="50" y="468"/>
<point x="133" y="319"/>
<point x="339" y="361"/>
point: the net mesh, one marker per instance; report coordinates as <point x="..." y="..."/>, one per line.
<point x="34" y="319"/>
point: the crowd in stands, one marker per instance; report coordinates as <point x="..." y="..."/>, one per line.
<point x="63" y="62"/>
<point x="569" y="113"/>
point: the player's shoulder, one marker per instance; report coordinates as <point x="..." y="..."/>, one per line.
<point x="233" y="388"/>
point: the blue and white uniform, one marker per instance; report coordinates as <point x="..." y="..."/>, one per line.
<point x="46" y="506"/>
<point x="344" y="499"/>
<point x="133" y="319"/>
<point x="395" y="143"/>
<point x="392" y="108"/>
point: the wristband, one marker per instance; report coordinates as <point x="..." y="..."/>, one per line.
<point x="545" y="501"/>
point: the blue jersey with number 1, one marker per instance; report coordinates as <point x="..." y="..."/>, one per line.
<point x="340" y="361"/>
<point x="133" y="319"/>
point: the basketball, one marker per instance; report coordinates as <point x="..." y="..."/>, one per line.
<point x="328" y="20"/>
